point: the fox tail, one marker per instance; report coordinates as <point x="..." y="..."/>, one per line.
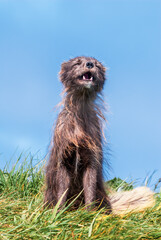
<point x="134" y="200"/>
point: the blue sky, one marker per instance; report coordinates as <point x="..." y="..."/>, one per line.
<point x="36" y="36"/>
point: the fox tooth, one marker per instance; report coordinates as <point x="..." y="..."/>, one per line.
<point x="84" y="77"/>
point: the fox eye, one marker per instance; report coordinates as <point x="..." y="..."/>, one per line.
<point x="77" y="63"/>
<point x="98" y="66"/>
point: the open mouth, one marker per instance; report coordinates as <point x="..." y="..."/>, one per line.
<point x="87" y="76"/>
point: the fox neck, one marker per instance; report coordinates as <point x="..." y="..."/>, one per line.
<point x="80" y="103"/>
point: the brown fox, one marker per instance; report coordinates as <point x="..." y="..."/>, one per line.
<point x="75" y="162"/>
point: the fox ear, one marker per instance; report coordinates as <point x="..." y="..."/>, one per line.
<point x="63" y="68"/>
<point x="64" y="65"/>
<point x="105" y="69"/>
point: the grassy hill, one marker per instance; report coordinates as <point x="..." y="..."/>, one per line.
<point x="22" y="215"/>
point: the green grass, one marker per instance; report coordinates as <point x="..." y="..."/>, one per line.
<point x="22" y="215"/>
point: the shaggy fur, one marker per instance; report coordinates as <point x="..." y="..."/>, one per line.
<point x="75" y="162"/>
<point x="76" y="158"/>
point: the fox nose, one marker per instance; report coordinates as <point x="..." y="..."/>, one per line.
<point x="89" y="65"/>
